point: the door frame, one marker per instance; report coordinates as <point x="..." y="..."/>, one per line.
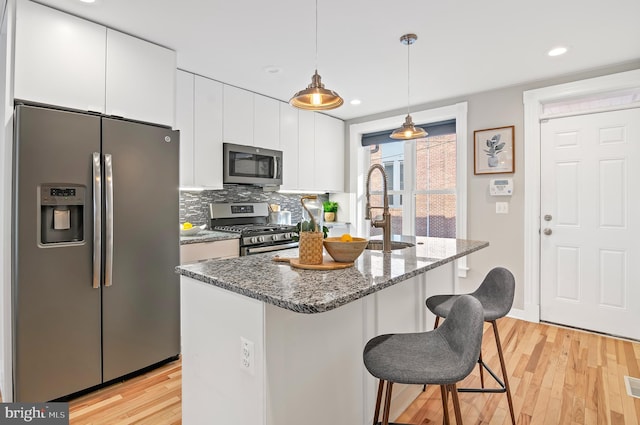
<point x="533" y="112"/>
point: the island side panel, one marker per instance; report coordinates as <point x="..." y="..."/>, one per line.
<point x="216" y="387"/>
<point x="314" y="366"/>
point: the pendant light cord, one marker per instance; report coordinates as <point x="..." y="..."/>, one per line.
<point x="408" y="74"/>
<point x="316" y="35"/>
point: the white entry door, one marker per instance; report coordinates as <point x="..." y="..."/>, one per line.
<point x="590" y="222"/>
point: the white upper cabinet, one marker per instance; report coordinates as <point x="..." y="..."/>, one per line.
<point x="59" y="59"/>
<point x="289" y="146"/>
<point x="208" y="133"/>
<point x="66" y="61"/>
<point x="321" y="152"/>
<point x="185" y="85"/>
<point x="238" y="116"/>
<point x="266" y="122"/>
<point x="306" y="151"/>
<point x="141" y="79"/>
<point x="329" y="146"/>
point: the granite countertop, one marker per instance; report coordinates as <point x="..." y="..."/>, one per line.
<point x="315" y="291"/>
<point x="208" y="236"/>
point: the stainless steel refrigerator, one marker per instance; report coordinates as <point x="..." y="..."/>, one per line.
<point x="95" y="243"/>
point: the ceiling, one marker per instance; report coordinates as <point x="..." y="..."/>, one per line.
<point x="463" y="47"/>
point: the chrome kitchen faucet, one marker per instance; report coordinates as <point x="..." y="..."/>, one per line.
<point x="385" y="223"/>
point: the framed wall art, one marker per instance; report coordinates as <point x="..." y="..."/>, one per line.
<point x="494" y="150"/>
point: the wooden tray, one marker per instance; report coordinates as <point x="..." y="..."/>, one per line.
<point x="327" y="264"/>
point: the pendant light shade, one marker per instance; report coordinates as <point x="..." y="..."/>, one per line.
<point x="408" y="130"/>
<point x="315" y="97"/>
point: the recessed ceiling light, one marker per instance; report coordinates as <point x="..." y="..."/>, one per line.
<point x="557" y="51"/>
<point x="88" y="1"/>
<point x="272" y="70"/>
<point x="355" y="102"/>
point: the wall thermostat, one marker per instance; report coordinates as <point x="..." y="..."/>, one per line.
<point x="501" y="187"/>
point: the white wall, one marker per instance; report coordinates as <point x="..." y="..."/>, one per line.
<point x="496" y="108"/>
<point x="6" y="146"/>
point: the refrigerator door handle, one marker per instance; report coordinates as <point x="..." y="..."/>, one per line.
<point x="97" y="220"/>
<point x="108" y="201"/>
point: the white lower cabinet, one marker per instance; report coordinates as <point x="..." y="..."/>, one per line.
<point x="193" y="252"/>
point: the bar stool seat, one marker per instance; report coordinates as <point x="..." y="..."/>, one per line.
<point x="495" y="293"/>
<point x="442" y="357"/>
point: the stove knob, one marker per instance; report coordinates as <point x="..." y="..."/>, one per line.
<point x="275" y="237"/>
<point x="287" y="235"/>
<point x="261" y="238"/>
<point x="253" y="239"/>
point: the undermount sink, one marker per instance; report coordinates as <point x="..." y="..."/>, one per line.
<point x="377" y="245"/>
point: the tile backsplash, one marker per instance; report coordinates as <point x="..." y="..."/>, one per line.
<point x="194" y="205"/>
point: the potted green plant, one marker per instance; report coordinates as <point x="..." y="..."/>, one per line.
<point x="330" y="210"/>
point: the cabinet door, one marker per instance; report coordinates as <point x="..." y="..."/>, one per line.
<point x="208" y="133"/>
<point x="59" y="59"/>
<point x="184" y="122"/>
<point x="238" y="116"/>
<point x="141" y="79"/>
<point x="266" y="122"/>
<point x="306" y="151"/>
<point x="329" y="145"/>
<point x="289" y="146"/>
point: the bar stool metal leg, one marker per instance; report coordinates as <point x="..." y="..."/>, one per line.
<point x="445" y="405"/>
<point x="504" y="371"/>
<point x="387" y="404"/>
<point x="378" y="400"/>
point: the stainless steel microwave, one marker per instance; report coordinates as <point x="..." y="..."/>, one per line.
<point x="251" y="165"/>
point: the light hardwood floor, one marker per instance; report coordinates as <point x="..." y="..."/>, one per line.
<point x="557" y="375"/>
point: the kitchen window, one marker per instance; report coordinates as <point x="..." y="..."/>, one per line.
<point x="421" y="171"/>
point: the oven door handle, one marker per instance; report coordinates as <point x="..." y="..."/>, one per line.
<point x="269" y="248"/>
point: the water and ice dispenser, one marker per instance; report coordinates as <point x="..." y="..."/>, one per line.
<point x="61" y="213"/>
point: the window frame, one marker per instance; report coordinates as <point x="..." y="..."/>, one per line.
<point x="359" y="166"/>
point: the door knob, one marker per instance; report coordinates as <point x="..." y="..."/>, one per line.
<point x="547" y="231"/>
<point x="547" y="217"/>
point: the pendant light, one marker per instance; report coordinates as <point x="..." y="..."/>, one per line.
<point x="315" y="97"/>
<point x="408" y="130"/>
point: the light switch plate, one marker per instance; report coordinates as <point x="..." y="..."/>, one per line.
<point x="502" y="208"/>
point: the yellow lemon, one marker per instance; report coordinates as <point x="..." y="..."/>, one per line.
<point x="187" y="226"/>
<point x="346" y="238"/>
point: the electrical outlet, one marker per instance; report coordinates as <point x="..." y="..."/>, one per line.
<point x="502" y="208"/>
<point x="247" y="358"/>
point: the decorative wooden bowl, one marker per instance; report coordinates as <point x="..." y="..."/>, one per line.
<point x="345" y="252"/>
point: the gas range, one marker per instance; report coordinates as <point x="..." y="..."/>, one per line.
<point x="249" y="220"/>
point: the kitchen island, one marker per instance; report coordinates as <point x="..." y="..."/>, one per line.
<point x="265" y="343"/>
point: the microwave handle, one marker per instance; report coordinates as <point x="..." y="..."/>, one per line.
<point x="275" y="167"/>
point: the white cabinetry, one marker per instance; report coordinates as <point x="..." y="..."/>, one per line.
<point x="266" y="122"/>
<point x="321" y="152"/>
<point x="191" y="253"/>
<point x="208" y="133"/>
<point x="185" y="86"/>
<point x="66" y="61"/>
<point x="238" y="116"/>
<point x="59" y="59"/>
<point x="199" y="119"/>
<point x="306" y="151"/>
<point x="140" y="79"/>
<point x="329" y="150"/>
<point x="289" y="146"/>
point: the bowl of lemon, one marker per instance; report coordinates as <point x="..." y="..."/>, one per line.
<point x="188" y="229"/>
<point x="346" y="248"/>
